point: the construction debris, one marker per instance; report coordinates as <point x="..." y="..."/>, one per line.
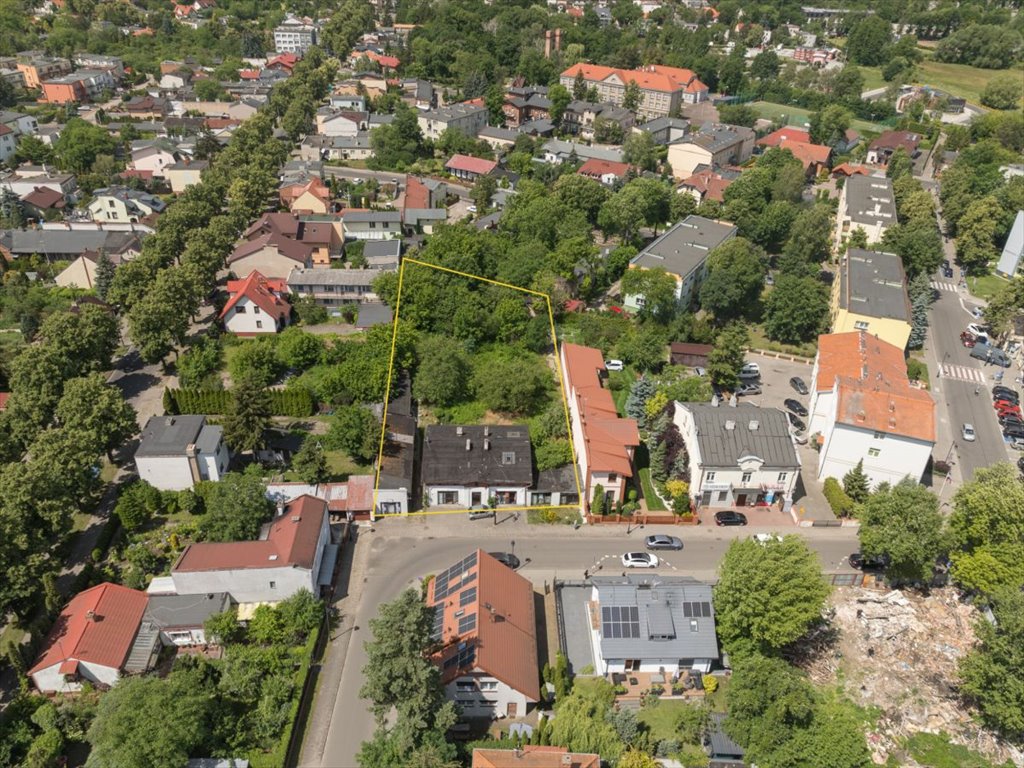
<point x="898" y="654"/>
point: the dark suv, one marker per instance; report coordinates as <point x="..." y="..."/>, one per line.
<point x="730" y="517"/>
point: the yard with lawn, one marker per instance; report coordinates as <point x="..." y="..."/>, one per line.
<point x="800" y="117"/>
<point x="758" y="340"/>
<point x="986" y="286"/>
<point x="956" y="79"/>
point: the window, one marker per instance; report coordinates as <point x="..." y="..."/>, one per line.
<point x="746" y="477"/>
<point x="255" y="310"/>
<point x="873" y="452"/>
<point x="447" y="497"/>
<point x="861" y="325"/>
<point x="879" y="435"/>
<point x="508" y="457"/>
<point x="273" y="585"/>
<point x="373" y="225"/>
<point x="239" y="309"/>
<point x="259" y="323"/>
<point x="783" y="476"/>
<point x="612" y="477"/>
<point x="488" y="685"/>
<point x="709" y="476"/>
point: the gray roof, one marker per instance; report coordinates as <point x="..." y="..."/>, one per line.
<point x="415" y="215"/>
<point x="870" y="200"/>
<point x="726" y="434"/>
<point x="1013" y="251"/>
<point x="452" y="112"/>
<point x="664" y="123"/>
<point x="561" y="479"/>
<point x="130" y="196"/>
<point x="299" y="277"/>
<point x="685" y="247"/>
<point x="501" y="134"/>
<point x="46" y="242"/>
<point x="582" y="151"/>
<point x="715" y="136"/>
<point x="376" y="248"/>
<point x="169" y="435"/>
<point x="719" y="742"/>
<point x="358" y="217"/>
<point x="180" y="611"/>
<point x="873" y="283"/>
<point x="373" y="313"/>
<point x="497" y="455"/>
<point x="667" y="617"/>
<point x="210" y="437"/>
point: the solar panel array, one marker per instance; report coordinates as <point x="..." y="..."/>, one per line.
<point x="465" y="657"/>
<point x="467" y="624"/>
<point x="620" y="621"/>
<point x="696" y="610"/>
<point x="438" y="622"/>
<point x="467" y="596"/>
<point x="454" y="578"/>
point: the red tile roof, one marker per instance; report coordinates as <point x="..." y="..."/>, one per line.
<point x="872" y="388"/>
<point x="606" y="438"/>
<point x="531" y="756"/>
<point x="386" y="62"/>
<point x="286" y="60"/>
<point x="709" y="184"/>
<point x="848" y="169"/>
<point x="654" y="77"/>
<point x="98" y="626"/>
<point x="787" y="133"/>
<point x="292" y="192"/>
<point x="416" y="193"/>
<point x="291" y="542"/>
<point x="798" y="141"/>
<point x="505" y="633"/>
<point x="597" y="168"/>
<point x="470" y="164"/>
<point x="262" y="292"/>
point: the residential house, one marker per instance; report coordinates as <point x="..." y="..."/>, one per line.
<point x="348" y="102"/>
<point x="738" y="456"/>
<point x="145" y="107"/>
<point x="466" y="118"/>
<point x="8" y="143"/>
<point x="256" y="306"/>
<point x="178" y="619"/>
<point x="331" y="122"/>
<point x="722" y="751"/>
<point x="653" y="624"/>
<point x="81" y="273"/>
<point x="424" y="192"/>
<point x="691" y="355"/>
<point x="664" y="130"/>
<point x="282" y="64"/>
<point x="604" y="443"/>
<point x="293" y="554"/>
<point x="682" y="251"/>
<point x="469" y="168"/>
<point x="499" y="139"/>
<point x="43" y="202"/>
<point x="312" y="196"/>
<point x="663" y="89"/>
<point x="867" y="203"/>
<point x="486" y="629"/>
<point x="353" y="496"/>
<point x="372" y="225"/>
<point x="557" y="152"/>
<point x="583" y="118"/>
<point x="176" y="452"/>
<point x="814" y="157"/>
<point x="870" y="294"/>
<point x="467" y="466"/>
<point x="880" y="150"/>
<point x="418" y="94"/>
<point x="28" y="178"/>
<point x="90" y="641"/>
<point x="152" y="158"/>
<point x="66" y="244"/>
<point x="333" y="288"/>
<point x="124" y="205"/>
<point x="185" y="174"/>
<point x="36" y="68"/>
<point x="845" y="145"/>
<point x="864" y="408"/>
<point x="19" y="122"/>
<point x="423" y="220"/>
<point x="112" y="64"/>
<point x="382" y="254"/>
<point x="277" y="242"/>
<point x="713" y="145"/>
<point x="397" y="463"/>
<point x="387" y="64"/>
<point x="81" y="86"/>
<point x="708" y="184"/>
<point x="1013" y="251"/>
<point x="526" y="103"/>
<point x="533" y="756"/>
<point x="604" y="171"/>
<point x="317" y="147"/>
<point x="294" y="35"/>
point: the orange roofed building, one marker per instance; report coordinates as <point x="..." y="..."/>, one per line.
<point x="485" y="625"/>
<point x="604" y="443"/>
<point x="864" y="408"/>
<point x="531" y="756"/>
<point x="256" y="305"/>
<point x="663" y="90"/>
<point x="814" y="157"/>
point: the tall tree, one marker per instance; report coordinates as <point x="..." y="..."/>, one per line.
<point x="104" y="275"/>
<point x="248" y="417"/>
<point x="310" y="463"/>
<point x="903" y="522"/>
<point x="736" y="271"/>
<point x="796" y="310"/>
<point x="632" y="96"/>
<point x="236" y="506"/>
<point x="658" y="289"/>
<point x="92" y="407"/>
<point x="856" y="483"/>
<point x="726" y="357"/>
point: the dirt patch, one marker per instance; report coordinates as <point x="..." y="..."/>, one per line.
<point x="896" y="654"/>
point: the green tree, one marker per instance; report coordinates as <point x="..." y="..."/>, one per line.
<point x="1003" y="92"/>
<point x="736" y="271"/>
<point x="559" y="97"/>
<point x="976" y="231"/>
<point x="92" y="407"/>
<point x="599" y="502"/>
<point x="310" y="463"/>
<point x="810" y="240"/>
<point x="483" y="190"/>
<point x="248" y="417"/>
<point x="512" y="384"/>
<point x="104" y="275"/>
<point x="223" y="628"/>
<point x="137" y="505"/>
<point x="796" y="310"/>
<point x="632" y="96"/>
<point x="903" y="521"/>
<point x="640" y="150"/>
<point x="829" y="125"/>
<point x="80" y="143"/>
<point x="657" y="289"/>
<point x="355" y="430"/>
<point x="579" y="86"/>
<point x="738" y="114"/>
<point x="856" y="484"/>
<point x="768" y="595"/>
<point x="256" y="363"/>
<point x="918" y="244"/>
<point x="868" y="41"/>
<point x="580" y="723"/>
<point x="726" y="357"/>
<point x="634" y="758"/>
<point x="581" y="193"/>
<point x="198" y="367"/>
<point x="236" y="506"/>
<point x="443" y="374"/>
<point x="900" y="164"/>
<point x="399" y="144"/>
<point x="298" y="349"/>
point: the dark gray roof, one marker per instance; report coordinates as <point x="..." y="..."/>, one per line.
<point x="726" y="434"/>
<point x="503" y="134"/>
<point x="664" y="123"/>
<point x="716" y="136"/>
<point x="358" y="217"/>
<point x="668" y="617"/>
<point x="452" y="112"/>
<point x="169" y="435"/>
<point x="375" y="248"/>
<point x="373" y="313"/>
<point x="300" y="278"/>
<point x="180" y="611"/>
<point x="870" y="200"/>
<point x="873" y="283"/>
<point x="209" y="439"/>
<point x="496" y="455"/>
<point x="719" y="742"/>
<point x="56" y="242"/>
<point x="561" y="479"/>
<point x="685" y="247"/>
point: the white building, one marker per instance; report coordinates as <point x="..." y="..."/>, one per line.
<point x="372" y="225"/>
<point x="332" y="122"/>
<point x="255" y="306"/>
<point x="124" y="205"/>
<point x="8" y="143"/>
<point x="864" y="408"/>
<point x="464" y="118"/>
<point x="295" y="35"/>
<point x="152" y="159"/>
<point x="739" y="455"/>
<point x="176" y="452"/>
<point x="485" y="624"/>
<point x="466" y="466"/>
<point x="295" y="553"/>
<point x="867" y="203"/>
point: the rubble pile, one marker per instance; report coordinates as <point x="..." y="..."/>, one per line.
<point x="898" y="654"/>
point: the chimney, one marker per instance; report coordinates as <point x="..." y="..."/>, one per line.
<point x="730" y="425"/>
<point x="90" y="615"/>
<point x="458" y="431"/>
<point x="558" y="39"/>
<point x="469" y="444"/>
<point x="566" y="760"/>
<point x="547" y="44"/>
<point x="280" y="508"/>
<point x="487" y="431"/>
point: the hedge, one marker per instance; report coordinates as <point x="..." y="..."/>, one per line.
<point x="295" y="402"/>
<point x="842" y="505"/>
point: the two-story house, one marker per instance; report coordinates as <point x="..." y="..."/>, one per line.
<point x="712" y="145"/>
<point x="124" y="205"/>
<point x="468" y="466"/>
<point x="256" y="305"/>
<point x="466" y="118"/>
<point x="663" y="90"/>
<point x="372" y="225"/>
<point x="176" y="452"/>
<point x="333" y="288"/>
<point x="870" y="294"/>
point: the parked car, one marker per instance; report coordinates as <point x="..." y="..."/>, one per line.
<point x="796" y="422"/>
<point x="1013" y="431"/>
<point x="613" y="365"/>
<point x="947" y="270"/>
<point x="766" y="538"/>
<point x="978" y="312"/>
<point x="798" y="384"/>
<point x="748" y="389"/>
<point x="1009" y="420"/>
<point x="800" y="437"/>
<point x="698" y="371"/>
<point x="506" y="558"/>
<point x="999" y="392"/>
<point x="639" y="560"/>
<point x="480" y="514"/>
<point x="968" y="339"/>
<point x="977" y="330"/>
<point x="730" y="517"/>
<point x="967" y="432"/>
<point x="795" y="407"/>
<point x="750" y="371"/>
<point x="864" y="563"/>
<point x="471" y="208"/>
<point x="661" y="541"/>
<point x="1002" y="404"/>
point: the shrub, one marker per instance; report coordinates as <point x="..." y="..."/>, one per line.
<point x="710" y="683"/>
<point x="917" y="370"/>
<point x="842" y="505"/>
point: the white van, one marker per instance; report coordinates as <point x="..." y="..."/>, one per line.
<point x="750" y="371"/>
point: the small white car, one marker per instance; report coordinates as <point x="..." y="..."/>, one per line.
<point x="639" y="560"/>
<point x="766" y="538"/>
<point x="968" y="433"/>
<point x="614" y="365"/>
<point x="471" y="208"/>
<point x="977" y="330"/>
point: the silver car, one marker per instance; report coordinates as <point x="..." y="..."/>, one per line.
<point x="661" y="541"/>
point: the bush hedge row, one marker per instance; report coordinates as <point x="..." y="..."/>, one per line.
<point x="296" y="402"/>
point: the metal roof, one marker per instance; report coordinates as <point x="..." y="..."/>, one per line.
<point x="870" y="200"/>
<point x="169" y="435"/>
<point x="873" y="283"/>
<point x="726" y="434"/>
<point x="176" y="611"/>
<point x="685" y="247"/>
<point x="1009" y="260"/>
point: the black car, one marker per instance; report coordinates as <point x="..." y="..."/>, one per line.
<point x="1005" y="393"/>
<point x="798" y="384"/>
<point x="947" y="270"/>
<point x="795" y="407"/>
<point x="661" y="541"/>
<point x="506" y="558"/>
<point x="1009" y="419"/>
<point x="1013" y="431"/>
<point x="864" y="563"/>
<point x="730" y="517"/>
<point x="796" y="422"/>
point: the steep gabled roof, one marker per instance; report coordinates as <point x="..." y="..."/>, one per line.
<point x="262" y="292"/>
<point x="470" y="164"/>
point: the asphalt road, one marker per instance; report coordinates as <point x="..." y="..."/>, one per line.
<point x="399" y="559"/>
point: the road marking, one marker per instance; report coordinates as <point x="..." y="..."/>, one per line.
<point x="962" y="373"/>
<point x="942" y="285"/>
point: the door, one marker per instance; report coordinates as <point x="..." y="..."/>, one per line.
<point x="512" y="710"/>
<point x="475" y="499"/>
<point x="741" y="499"/>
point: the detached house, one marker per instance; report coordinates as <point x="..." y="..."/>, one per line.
<point x="176" y="452"/>
<point x="814" y="157"/>
<point x="308" y="196"/>
<point x="279" y="242"/>
<point x="256" y="305"/>
<point x="469" y="168"/>
<point x="880" y="150"/>
<point x="712" y="146"/>
<point x="485" y="625"/>
<point x="124" y="205"/>
<point x="372" y="225"/>
<point x="870" y="294"/>
<point x="533" y="756"/>
<point x="467" y="466"/>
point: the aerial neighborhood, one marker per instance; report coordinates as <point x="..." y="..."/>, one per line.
<point x="471" y="384"/>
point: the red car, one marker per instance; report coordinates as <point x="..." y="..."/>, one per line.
<point x="997" y="404"/>
<point x="1000" y="412"/>
<point x="968" y="339"/>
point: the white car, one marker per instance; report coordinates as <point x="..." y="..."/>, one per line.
<point x="471" y="208"/>
<point x="968" y="433"/>
<point x="977" y="330"/>
<point x="614" y="365"/>
<point x="766" y="538"/>
<point x="639" y="560"/>
<point x="750" y="371"/>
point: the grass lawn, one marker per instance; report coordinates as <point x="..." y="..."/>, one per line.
<point x="619" y="396"/>
<point x="986" y="286"/>
<point x="798" y="116"/>
<point x="958" y="79"/>
<point x="758" y="340"/>
<point x="935" y="751"/>
<point x="341" y="465"/>
<point x="872" y="78"/>
<point x="663" y="719"/>
<point x="653" y="502"/>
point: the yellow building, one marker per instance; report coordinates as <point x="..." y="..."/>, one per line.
<point x="870" y="294"/>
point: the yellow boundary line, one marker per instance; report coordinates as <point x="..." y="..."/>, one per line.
<point x="387" y="395"/>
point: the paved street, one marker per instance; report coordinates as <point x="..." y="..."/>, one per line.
<point x="398" y="553"/>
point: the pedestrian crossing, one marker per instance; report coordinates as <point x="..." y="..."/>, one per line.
<point x="962" y="373"/>
<point x="943" y="285"/>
